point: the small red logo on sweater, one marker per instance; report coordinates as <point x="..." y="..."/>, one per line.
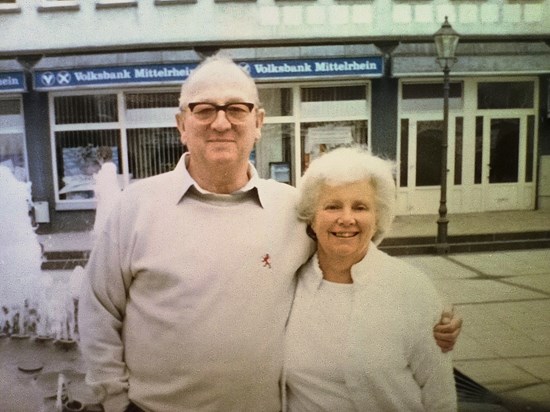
<point x="266" y="260"/>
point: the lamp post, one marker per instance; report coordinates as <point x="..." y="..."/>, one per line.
<point x="446" y="40"/>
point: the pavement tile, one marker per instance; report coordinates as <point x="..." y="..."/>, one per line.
<point x="540" y="282"/>
<point x="523" y="315"/>
<point x="509" y="263"/>
<point x="535" y="393"/>
<point x="467" y="348"/>
<point x="462" y="291"/>
<point x="438" y="267"/>
<point x="537" y="366"/>
<point x="497" y="375"/>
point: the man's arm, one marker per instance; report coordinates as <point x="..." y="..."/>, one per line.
<point x="101" y="313"/>
<point x="448" y="329"/>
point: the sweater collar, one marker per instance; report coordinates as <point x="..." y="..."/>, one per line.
<point x="359" y="272"/>
<point x="183" y="182"/>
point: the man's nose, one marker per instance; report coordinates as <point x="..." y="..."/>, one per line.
<point x="221" y="122"/>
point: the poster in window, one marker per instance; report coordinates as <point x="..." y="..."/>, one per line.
<point x="323" y="139"/>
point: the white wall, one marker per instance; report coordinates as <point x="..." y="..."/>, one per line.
<point x="42" y="25"/>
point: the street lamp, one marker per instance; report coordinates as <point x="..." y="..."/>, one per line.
<point x="446" y="40"/>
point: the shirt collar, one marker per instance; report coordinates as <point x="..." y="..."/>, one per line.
<point x="184" y="181"/>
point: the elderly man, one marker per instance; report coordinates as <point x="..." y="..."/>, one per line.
<point x="190" y="283"/>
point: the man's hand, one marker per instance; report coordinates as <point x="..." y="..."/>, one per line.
<point x="447" y="330"/>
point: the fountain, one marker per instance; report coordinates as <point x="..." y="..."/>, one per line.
<point x="32" y="303"/>
<point x="36" y="307"/>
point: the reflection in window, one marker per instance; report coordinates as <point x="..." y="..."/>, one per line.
<point x="320" y="137"/>
<point x="479" y="150"/>
<point x="415" y="91"/>
<point x="429" y="136"/>
<point x="153" y="151"/>
<point x="86" y="109"/>
<point x="505" y="95"/>
<point x="330" y="94"/>
<point x="458" y="150"/>
<point x="276" y="102"/>
<point x="404" y="155"/>
<point x="78" y="161"/>
<point x="504" y="155"/>
<point x="276" y="145"/>
<point x="12" y="137"/>
<point x="530" y="148"/>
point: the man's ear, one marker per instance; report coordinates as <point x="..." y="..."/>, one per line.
<point x="260" y="116"/>
<point x="181" y="126"/>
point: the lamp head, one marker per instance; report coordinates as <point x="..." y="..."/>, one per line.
<point x="446" y="41"/>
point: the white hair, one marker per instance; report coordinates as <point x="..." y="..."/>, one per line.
<point x="349" y="165"/>
<point x="219" y="58"/>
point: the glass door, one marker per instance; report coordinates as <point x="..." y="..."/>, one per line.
<point x="502" y="160"/>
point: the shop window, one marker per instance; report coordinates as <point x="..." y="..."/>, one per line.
<point x="459" y="133"/>
<point x="320" y="137"/>
<point x="12" y="138"/>
<point x="275" y="152"/>
<point x="479" y="150"/>
<point x="276" y="102"/>
<point x="505" y="95"/>
<point x="404" y="154"/>
<point x="153" y="151"/>
<point x="146" y="109"/>
<point x="142" y="138"/>
<point x="429" y="96"/>
<point x="333" y="101"/>
<point x="504" y="151"/>
<point x="86" y="109"/>
<point x="429" y="136"/>
<point x="81" y="135"/>
<point x="331" y="117"/>
<point x="78" y="159"/>
<point x="530" y="148"/>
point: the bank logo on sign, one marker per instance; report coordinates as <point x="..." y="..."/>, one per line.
<point x="47" y="79"/>
<point x="63" y="78"/>
<point x="245" y="67"/>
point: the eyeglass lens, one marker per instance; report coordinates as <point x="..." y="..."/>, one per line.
<point x="235" y="112"/>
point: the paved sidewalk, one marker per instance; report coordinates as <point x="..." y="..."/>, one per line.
<point x="504" y="299"/>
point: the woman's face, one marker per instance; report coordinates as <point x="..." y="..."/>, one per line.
<point x="345" y="220"/>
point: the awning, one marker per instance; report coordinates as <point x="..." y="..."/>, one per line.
<point x="473" y="59"/>
<point x="12" y="77"/>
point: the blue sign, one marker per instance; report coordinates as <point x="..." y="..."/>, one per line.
<point x="316" y="68"/>
<point x="12" y="82"/>
<point x="153" y="74"/>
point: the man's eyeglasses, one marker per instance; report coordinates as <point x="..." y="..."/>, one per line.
<point x="207" y="112"/>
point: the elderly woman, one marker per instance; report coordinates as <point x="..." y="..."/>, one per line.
<point x="359" y="337"/>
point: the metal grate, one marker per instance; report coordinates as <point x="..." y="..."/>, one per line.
<point x="153" y="151"/>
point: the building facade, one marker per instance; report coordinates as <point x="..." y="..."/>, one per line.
<point x="89" y="74"/>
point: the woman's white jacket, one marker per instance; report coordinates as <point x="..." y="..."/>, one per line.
<point x="393" y="362"/>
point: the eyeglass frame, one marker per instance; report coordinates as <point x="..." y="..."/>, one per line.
<point x="223" y="107"/>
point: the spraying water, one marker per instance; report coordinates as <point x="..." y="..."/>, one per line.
<point x="31" y="301"/>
